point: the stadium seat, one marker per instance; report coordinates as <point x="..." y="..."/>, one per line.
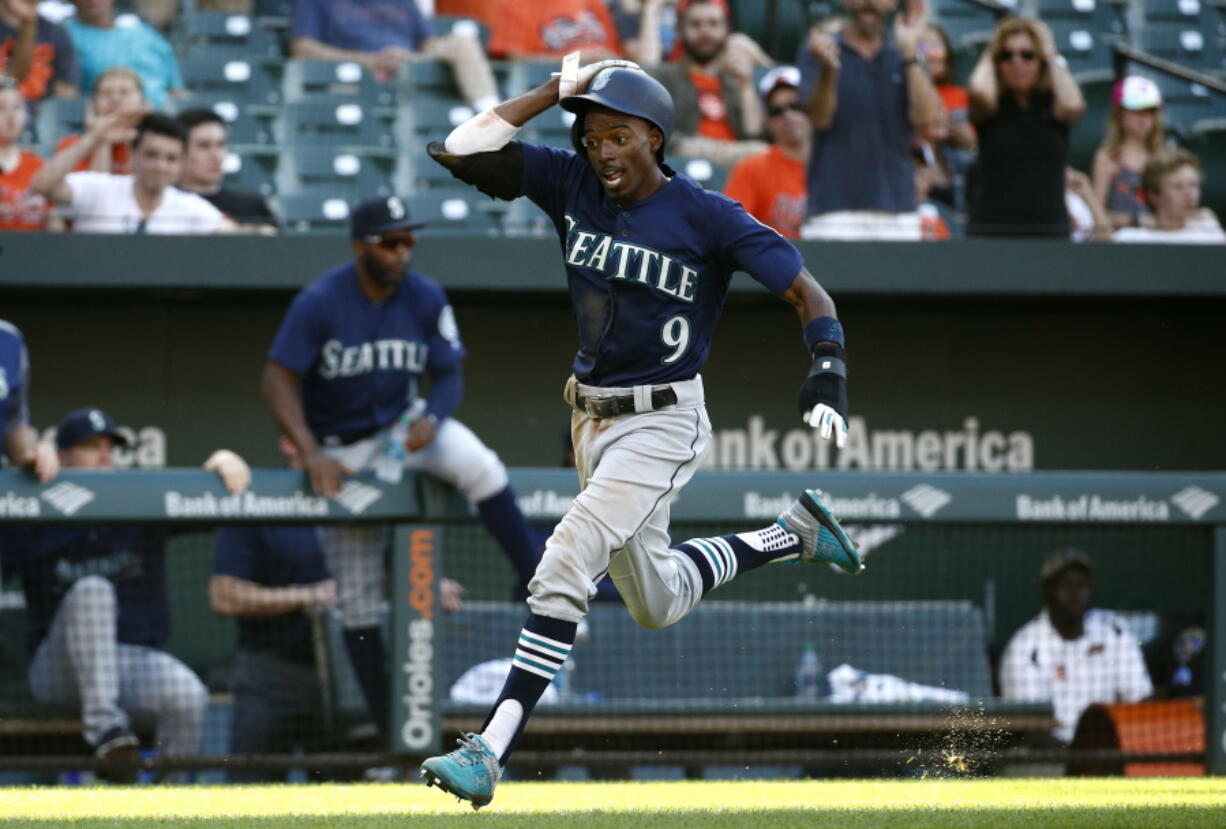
<point x="253" y="131"/>
<point x="306" y="168"/>
<point x="1087" y="50"/>
<point x="1190" y="12"/>
<point x="249" y="173"/>
<point x="303" y="79"/>
<point x="56" y="118"/>
<point x="1101" y="16"/>
<point x="433" y="116"/>
<point x="459" y="24"/>
<point x="204" y="31"/>
<point x="314" y="211"/>
<point x="1186" y="103"/>
<point x="273" y="8"/>
<point x="1183" y="44"/>
<point x="335" y="121"/>
<point x="452" y="210"/>
<point x="551" y="127"/>
<point x="704" y="171"/>
<point x="965" y="21"/>
<point x="240" y="80"/>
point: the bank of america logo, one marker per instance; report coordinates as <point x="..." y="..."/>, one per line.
<point x="356" y="497"/>
<point x="68" y="498"/>
<point x="926" y="499"/>
<point x="1195" y="501"/>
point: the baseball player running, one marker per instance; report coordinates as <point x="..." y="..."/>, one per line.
<point x="648" y="256"/>
<point x="342" y="381"/>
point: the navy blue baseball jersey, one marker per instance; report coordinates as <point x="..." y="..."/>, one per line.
<point x="49" y="561"/>
<point x="648" y="281"/>
<point x="273" y="557"/>
<point x="14" y="378"/>
<point x="361" y="361"/>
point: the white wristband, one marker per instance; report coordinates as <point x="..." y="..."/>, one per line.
<point x="482" y="133"/>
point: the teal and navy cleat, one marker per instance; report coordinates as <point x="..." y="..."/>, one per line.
<point x="821" y="537"/>
<point x="470" y="772"/>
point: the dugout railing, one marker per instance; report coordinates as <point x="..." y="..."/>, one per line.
<point x="952" y="570"/>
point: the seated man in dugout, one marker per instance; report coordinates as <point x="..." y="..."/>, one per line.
<point x="98" y="618"/>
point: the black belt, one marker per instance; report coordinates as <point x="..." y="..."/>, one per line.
<point x="620" y="404"/>
<point x="347" y="438"/>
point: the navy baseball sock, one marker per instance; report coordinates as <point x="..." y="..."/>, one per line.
<point x="721" y="558"/>
<point x="502" y="518"/>
<point x="543" y="646"/>
<point x="369" y="660"/>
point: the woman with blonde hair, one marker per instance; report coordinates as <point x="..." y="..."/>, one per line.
<point x="1023" y="100"/>
<point x="1134" y="135"/>
<point x="116" y="88"/>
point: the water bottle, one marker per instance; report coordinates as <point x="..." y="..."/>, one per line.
<point x="389" y="466"/>
<point x="808" y="673"/>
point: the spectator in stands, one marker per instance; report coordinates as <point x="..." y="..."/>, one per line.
<point x="943" y="165"/>
<point x="719" y="113"/>
<point x="270" y="579"/>
<point x="1023" y="102"/>
<point x="1171" y="183"/>
<point x="552" y="28"/>
<point x="19" y="443"/>
<point x="1070" y="654"/>
<point x="1088" y="220"/>
<point x="937" y="52"/>
<point x="20" y="207"/>
<point x="382" y="35"/>
<point x="102" y="41"/>
<point x="204" y="168"/>
<point x="144" y="202"/>
<point x="771" y="184"/>
<point x="647" y="28"/>
<point x="115" y="89"/>
<point x="1134" y="134"/>
<point x="97" y="618"/>
<point x="37" y="52"/>
<point x="866" y="94"/>
<point x="482" y="11"/>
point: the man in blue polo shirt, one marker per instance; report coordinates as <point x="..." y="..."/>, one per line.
<point x="866" y="95"/>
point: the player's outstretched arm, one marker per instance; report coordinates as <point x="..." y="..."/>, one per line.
<point x="823" y="395"/>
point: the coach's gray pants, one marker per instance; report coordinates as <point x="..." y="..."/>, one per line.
<point x="79" y="662"/>
<point x="630" y="468"/>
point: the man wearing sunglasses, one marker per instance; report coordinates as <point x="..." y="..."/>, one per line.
<point x="771" y="185"/>
<point x="343" y="380"/>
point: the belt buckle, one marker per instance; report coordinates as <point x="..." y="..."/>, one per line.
<point x="601" y="407"/>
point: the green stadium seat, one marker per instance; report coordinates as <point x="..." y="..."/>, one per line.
<point x="445" y="24"/>
<point x="965" y="22"/>
<point x="336" y="121"/>
<point x="551" y="127"/>
<point x="1183" y="44"/>
<point x="433" y="117"/>
<point x="318" y="210"/>
<point x="1087" y="50"/>
<point x="249" y="173"/>
<point x="306" y="79"/>
<point x="1185" y="103"/>
<point x="1101" y="16"/>
<point x="252" y="132"/>
<point x="1183" y="11"/>
<point x="56" y="118"/>
<point x="202" y="31"/>
<point x="242" y="81"/>
<point x="306" y="168"/>
<point x="704" y="171"/>
<point x="454" y="209"/>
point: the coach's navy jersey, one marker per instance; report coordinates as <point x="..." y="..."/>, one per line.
<point x="50" y="560"/>
<point x="273" y="557"/>
<point x="647" y="282"/>
<point x="14" y="368"/>
<point x="360" y="361"/>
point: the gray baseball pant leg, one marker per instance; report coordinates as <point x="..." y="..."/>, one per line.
<point x="155" y="687"/>
<point x="77" y="663"/>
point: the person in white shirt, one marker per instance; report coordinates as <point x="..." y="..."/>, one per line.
<point x="145" y="201"/>
<point x="1171" y="183"/>
<point x="1070" y="654"/>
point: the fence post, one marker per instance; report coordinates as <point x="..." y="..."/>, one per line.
<point x="1215" y="664"/>
<point x="416" y="635"/>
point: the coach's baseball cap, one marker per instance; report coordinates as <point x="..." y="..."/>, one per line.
<point x="779" y="76"/>
<point x="1136" y="93"/>
<point x="379" y="215"/>
<point x="1061" y="560"/>
<point x="84" y="424"/>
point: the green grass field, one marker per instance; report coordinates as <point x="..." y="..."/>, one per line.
<point x="1168" y="803"/>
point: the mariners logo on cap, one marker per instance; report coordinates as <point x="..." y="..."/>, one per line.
<point x="601" y="80"/>
<point x="97" y="420"/>
<point x="395" y="208"/>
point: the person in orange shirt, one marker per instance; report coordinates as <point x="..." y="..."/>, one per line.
<point x="935" y="46"/>
<point x="771" y="184"/>
<point x="552" y="28"/>
<point x="719" y="115"/>
<point x="117" y="88"/>
<point x="20" y="207"/>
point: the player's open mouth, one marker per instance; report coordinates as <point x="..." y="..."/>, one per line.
<point x="611" y="178"/>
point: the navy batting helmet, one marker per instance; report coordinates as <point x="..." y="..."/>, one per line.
<point x="624" y="90"/>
